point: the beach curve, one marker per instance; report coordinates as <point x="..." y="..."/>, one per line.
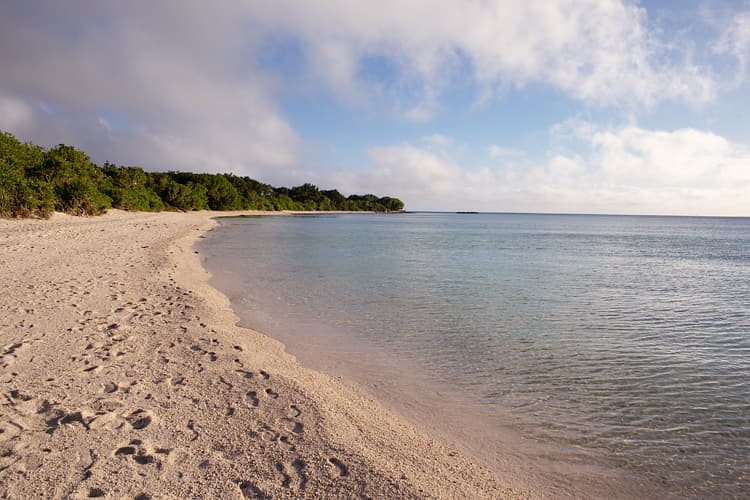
<point x="124" y="373"/>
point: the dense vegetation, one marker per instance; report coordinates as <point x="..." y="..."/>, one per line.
<point x="36" y="182"/>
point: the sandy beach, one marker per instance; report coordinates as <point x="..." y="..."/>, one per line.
<point x="125" y="375"/>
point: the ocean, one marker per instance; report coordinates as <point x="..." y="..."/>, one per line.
<point x="621" y="339"/>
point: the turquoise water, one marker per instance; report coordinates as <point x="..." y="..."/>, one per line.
<point x="625" y="336"/>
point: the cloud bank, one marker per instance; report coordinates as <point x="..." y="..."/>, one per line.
<point x="598" y="51"/>
<point x="623" y="170"/>
<point x="192" y="86"/>
<point x="164" y="84"/>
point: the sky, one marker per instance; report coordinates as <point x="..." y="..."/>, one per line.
<point x="566" y="106"/>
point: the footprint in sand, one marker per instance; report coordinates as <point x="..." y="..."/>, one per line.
<point x="298" y="466"/>
<point x="266" y="433"/>
<point x="141" y="454"/>
<point x="125" y="451"/>
<point x="16" y="394"/>
<point x="296" y="412"/>
<point x="296" y="475"/>
<point x="253" y="396"/>
<point x="191" y="428"/>
<point x="342" y="469"/>
<point x="294" y="426"/>
<point x="286" y="442"/>
<point x="61" y="418"/>
<point x="139" y="419"/>
<point x="285" y="478"/>
<point x="226" y="384"/>
<point x="9" y="353"/>
<point x="96" y="493"/>
<point x="250" y="490"/>
<point x="272" y="393"/>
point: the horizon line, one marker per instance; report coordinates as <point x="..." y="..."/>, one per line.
<point x="481" y="212"/>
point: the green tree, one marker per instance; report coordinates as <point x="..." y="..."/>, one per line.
<point x="74" y="180"/>
<point x="186" y="197"/>
<point x="34" y="182"/>
<point x="222" y="195"/>
<point x="337" y="199"/>
<point x="130" y="189"/>
<point x="20" y="194"/>
<point x="307" y="194"/>
<point x="391" y="204"/>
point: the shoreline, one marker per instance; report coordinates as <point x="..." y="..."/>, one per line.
<point x="125" y="373"/>
<point x="494" y="440"/>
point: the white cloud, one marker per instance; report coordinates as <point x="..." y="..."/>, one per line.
<point x="439" y="141"/>
<point x="170" y="85"/>
<point x="414" y="170"/>
<point x="178" y="84"/>
<point x="598" y="51"/>
<point x="15" y="114"/>
<point x="622" y="170"/>
<point x="735" y="41"/>
<point x="685" y="157"/>
<point x="496" y="152"/>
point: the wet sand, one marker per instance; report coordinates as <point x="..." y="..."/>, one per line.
<point x="124" y="375"/>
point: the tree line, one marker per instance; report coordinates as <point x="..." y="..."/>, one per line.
<point x="34" y="182"/>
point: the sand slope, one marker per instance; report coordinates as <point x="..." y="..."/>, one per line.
<point x="123" y="374"/>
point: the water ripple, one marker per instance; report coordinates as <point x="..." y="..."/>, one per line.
<point x="625" y="335"/>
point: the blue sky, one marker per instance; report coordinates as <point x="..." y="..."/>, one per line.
<point x="605" y="106"/>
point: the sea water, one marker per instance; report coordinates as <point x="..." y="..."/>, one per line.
<point x="626" y="338"/>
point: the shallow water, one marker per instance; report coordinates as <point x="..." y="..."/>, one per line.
<point x="627" y="338"/>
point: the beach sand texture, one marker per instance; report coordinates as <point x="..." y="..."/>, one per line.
<point x="123" y="374"/>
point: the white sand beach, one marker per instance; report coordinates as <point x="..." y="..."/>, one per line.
<point x="124" y="375"/>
